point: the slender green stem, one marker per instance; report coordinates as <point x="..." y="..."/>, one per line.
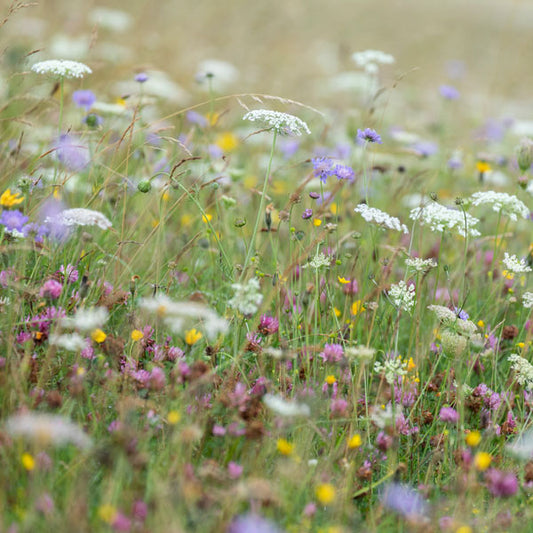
<point x="251" y="246"/>
<point x="61" y="91"/>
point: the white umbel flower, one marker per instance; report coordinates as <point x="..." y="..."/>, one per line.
<point x="420" y="265"/>
<point x="247" y="297"/>
<point x="372" y="214"/>
<point x="72" y="342"/>
<point x="440" y="218"/>
<point x="286" y="408"/>
<point x="44" y="428"/>
<point x="503" y="203"/>
<point x="86" y="319"/>
<point x="371" y="59"/>
<point x="523" y="369"/>
<point x="512" y="263"/>
<point x="81" y="217"/>
<point x="319" y="261"/>
<point x="392" y="368"/>
<point x="282" y="123"/>
<point x="61" y="68"/>
<point x="527" y="300"/>
<point x="402" y="296"/>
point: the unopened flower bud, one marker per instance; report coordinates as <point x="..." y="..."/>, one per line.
<point x="524" y="154"/>
<point x="144" y="186"/>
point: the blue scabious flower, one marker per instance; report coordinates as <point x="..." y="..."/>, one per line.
<point x="344" y="172"/>
<point x="404" y="500"/>
<point x="84" y="98"/>
<point x="323" y="167"/>
<point x="449" y="92"/>
<point x="13" y="220"/>
<point x="141" y="77"/>
<point x="461" y="313"/>
<point x="368" y="135"/>
<point x="72" y="152"/>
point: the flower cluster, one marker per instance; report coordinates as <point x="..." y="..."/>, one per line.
<point x="501" y="202"/>
<point x="61" y="68"/>
<point x="372" y="214"/>
<point x="283" y="407"/>
<point x="80" y="217"/>
<point x="368" y="135"/>
<point x="523" y="369"/>
<point x="371" y="59"/>
<point x="391" y="368"/>
<point x="420" y="265"/>
<point x="247" y="297"/>
<point x="402" y="296"/>
<point x="512" y="263"/>
<point x="282" y="123"/>
<point x="440" y="218"/>
<point x="527" y="300"/>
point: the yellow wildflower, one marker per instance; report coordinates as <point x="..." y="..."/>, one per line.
<point x="173" y="417"/>
<point x="284" y="447"/>
<point x="483" y="166"/>
<point x="28" y="462"/>
<point x="207" y="218"/>
<point x="317" y="222"/>
<point x="357" y="307"/>
<point x="227" y="141"/>
<point x="325" y="493"/>
<point x="355" y="441"/>
<point x="343" y="281"/>
<point x="137" y="335"/>
<point x="98" y="336"/>
<point x="482" y="461"/>
<point x="107" y="513"/>
<point x="192" y="336"/>
<point x="473" y="438"/>
<point x="331" y="379"/>
<point x="9" y="200"/>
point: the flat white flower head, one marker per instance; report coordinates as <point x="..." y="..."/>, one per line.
<point x="82" y="217"/>
<point x="440" y="218"/>
<point x="527" y="300"/>
<point x="503" y="203"/>
<point x="371" y="59"/>
<point x="420" y="265"/>
<point x="286" y="408"/>
<point x="402" y="296"/>
<point x="62" y="68"/>
<point x="247" y="297"/>
<point x="512" y="263"/>
<point x="282" y="123"/>
<point x="372" y="214"/>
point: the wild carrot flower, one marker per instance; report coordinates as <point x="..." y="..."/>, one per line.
<point x="501" y="202"/>
<point x="513" y="264"/>
<point x="282" y="123"/>
<point x="420" y="265"/>
<point x="285" y="408"/>
<point x="81" y="217"/>
<point x="86" y="319"/>
<point x="392" y="368"/>
<point x="247" y="297"/>
<point x="440" y="218"/>
<point x="371" y="59"/>
<point x="61" y="68"/>
<point x="523" y="370"/>
<point x="402" y="296"/>
<point x="527" y="300"/>
<point x="372" y="214"/>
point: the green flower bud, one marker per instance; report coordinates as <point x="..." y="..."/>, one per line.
<point x="144" y="186"/>
<point x="524" y="154"/>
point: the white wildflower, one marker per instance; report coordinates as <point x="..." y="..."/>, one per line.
<point x="522" y="446"/>
<point x="371" y="59"/>
<point x="503" y="203"/>
<point x="371" y="214"/>
<point x="111" y="19"/>
<point x="284" y="407"/>
<point x="529" y="188"/>
<point x="382" y="417"/>
<point x="392" y="368"/>
<point x="175" y="314"/>
<point x="282" y="123"/>
<point x="72" y="342"/>
<point x="402" y="296"/>
<point x="440" y="218"/>
<point x="363" y="353"/>
<point x="320" y="260"/>
<point x="44" y="428"/>
<point x="419" y="264"/>
<point x="86" y="319"/>
<point x="62" y="68"/>
<point x="512" y="263"/>
<point x="81" y="217"/>
<point x="247" y="297"/>
<point x="523" y="369"/>
<point x="527" y="300"/>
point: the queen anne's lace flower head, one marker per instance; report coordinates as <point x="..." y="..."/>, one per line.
<point x="61" y="68"/>
<point x="518" y="266"/>
<point x="371" y="59"/>
<point x="419" y="264"/>
<point x="440" y="218"/>
<point x="371" y="214"/>
<point x="81" y="217"/>
<point x="527" y="300"/>
<point x="283" y="407"/>
<point x="523" y="369"/>
<point x="247" y="297"/>
<point x="402" y="296"/>
<point x="282" y="123"/>
<point x="503" y="203"/>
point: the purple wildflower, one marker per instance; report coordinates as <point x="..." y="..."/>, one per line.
<point x="368" y="135"/>
<point x="314" y="195"/>
<point x="449" y="414"/>
<point x="84" y="98"/>
<point x="13" y="220"/>
<point x="323" y="167"/>
<point x="72" y="152"/>
<point x="332" y="353"/>
<point x="139" y="510"/>
<point x="69" y="272"/>
<point x="461" y="313"/>
<point x="425" y="148"/>
<point x="307" y="214"/>
<point x="51" y="289"/>
<point x="234" y="470"/>
<point x="196" y="118"/>
<point x="404" y="500"/>
<point x="449" y="92"/>
<point x="268" y="325"/>
<point x="344" y="172"/>
<point x="252" y="522"/>
<point x="501" y="484"/>
<point x="141" y="77"/>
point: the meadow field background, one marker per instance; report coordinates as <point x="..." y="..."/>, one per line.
<point x="266" y="266"/>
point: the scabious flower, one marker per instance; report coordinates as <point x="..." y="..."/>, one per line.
<point x="440" y="218"/>
<point x="141" y="77"/>
<point x="402" y="296"/>
<point x="523" y="370"/>
<point x="61" y="68"/>
<point x="252" y="522"/>
<point x="344" y="172"/>
<point x="84" y="98"/>
<point x="307" y="214"/>
<point x="513" y="264"/>
<point x="449" y="92"/>
<point x="425" y="148"/>
<point x="282" y="123"/>
<point x="285" y="408"/>
<point x="322" y="167"/>
<point x="47" y="429"/>
<point x="368" y="135"/>
<point x="72" y="152"/>
<point x="501" y="202"/>
<point x="404" y="500"/>
<point x="13" y="220"/>
<point x="372" y="214"/>
<point x="247" y="297"/>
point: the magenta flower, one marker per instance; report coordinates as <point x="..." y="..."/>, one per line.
<point x="268" y="325"/>
<point x="51" y="289"/>
<point x="332" y="353"/>
<point x="501" y="484"/>
<point x="449" y="414"/>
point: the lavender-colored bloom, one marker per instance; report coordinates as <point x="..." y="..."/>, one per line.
<point x="461" y="313"/>
<point x="332" y="353"/>
<point x="234" y="470"/>
<point x="368" y="135"/>
<point x="455" y="163"/>
<point x="449" y="92"/>
<point x="84" y="98"/>
<point x="449" y="414"/>
<point x="141" y="77"/>
<point x="425" y="148"/>
<point x="72" y="152"/>
<point x="49" y="212"/>
<point x="501" y="484"/>
<point x="37" y="231"/>
<point x="314" y="195"/>
<point x="139" y="510"/>
<point x="196" y="118"/>
<point x="252" y="523"/>
<point x="289" y="147"/>
<point x="344" y="172"/>
<point x="268" y="325"/>
<point x="323" y="167"/>
<point x="307" y="214"/>
<point x="51" y="289"/>
<point x="13" y="220"/>
<point x="215" y="152"/>
<point x="404" y="500"/>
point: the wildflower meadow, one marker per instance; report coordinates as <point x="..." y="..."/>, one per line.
<point x="237" y="311"/>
